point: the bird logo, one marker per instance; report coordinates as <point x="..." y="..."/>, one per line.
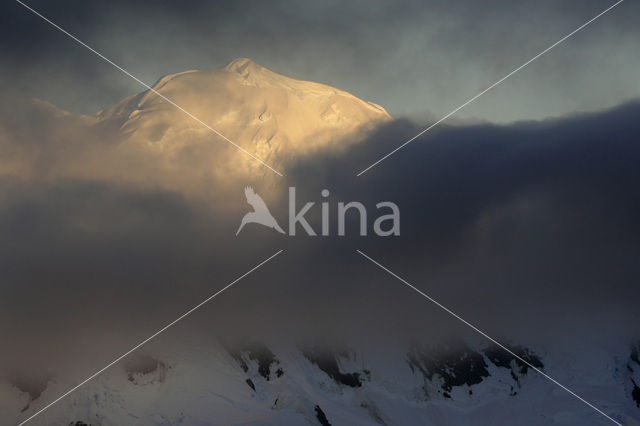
<point x="260" y="213"/>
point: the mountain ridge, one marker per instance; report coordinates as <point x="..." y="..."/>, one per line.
<point x="250" y="381"/>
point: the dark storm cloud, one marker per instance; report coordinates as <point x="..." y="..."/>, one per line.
<point x="531" y="231"/>
<point x="537" y="222"/>
<point x="412" y="57"/>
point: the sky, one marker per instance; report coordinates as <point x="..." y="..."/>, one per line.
<point x="521" y="213"/>
<point x="418" y="61"/>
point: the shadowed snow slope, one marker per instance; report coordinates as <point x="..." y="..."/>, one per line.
<point x="204" y="382"/>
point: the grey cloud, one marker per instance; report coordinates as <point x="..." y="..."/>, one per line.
<point x="417" y="59"/>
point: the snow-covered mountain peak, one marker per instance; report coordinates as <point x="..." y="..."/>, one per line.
<point x="271" y="115"/>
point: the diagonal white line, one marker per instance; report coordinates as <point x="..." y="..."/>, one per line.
<point x="149" y="87"/>
<point x="190" y="311"/>
<point x="490" y="87"/>
<point x="450" y="312"/>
